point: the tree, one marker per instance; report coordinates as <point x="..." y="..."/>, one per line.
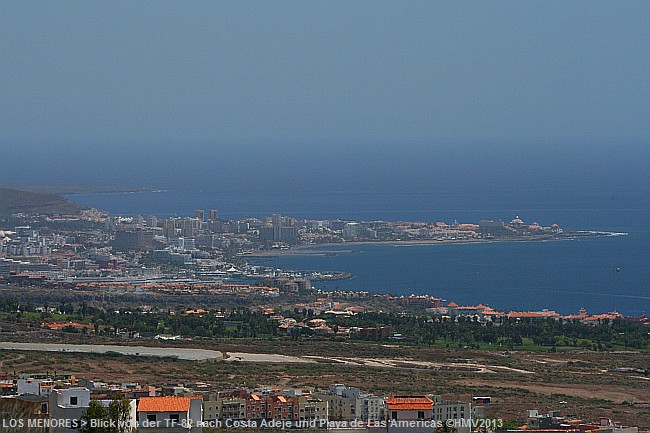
<point x="118" y="411"/>
<point x="95" y="412"/>
<point x="111" y="419"/>
<point x="446" y="428"/>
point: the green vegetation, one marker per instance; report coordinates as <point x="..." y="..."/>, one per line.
<point x="420" y="330"/>
<point x="527" y="333"/>
<point x="113" y="418"/>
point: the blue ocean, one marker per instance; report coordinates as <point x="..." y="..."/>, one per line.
<point x="559" y="275"/>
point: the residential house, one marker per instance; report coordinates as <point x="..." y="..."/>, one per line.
<point x="444" y="410"/>
<point x="410" y="414"/>
<point x="170" y="414"/>
<point x="24" y="407"/>
<point x="223" y="408"/>
<point x="68" y="404"/>
<point x="312" y="408"/>
<point x="349" y="404"/>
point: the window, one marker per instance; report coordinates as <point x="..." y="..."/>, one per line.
<point x="74" y="400"/>
<point x="174" y="417"/>
<point x="151" y="417"/>
<point x="420" y="415"/>
<point x="394" y="415"/>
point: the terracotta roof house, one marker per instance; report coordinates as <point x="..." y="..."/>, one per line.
<point x="409" y="408"/>
<point x="170" y="414"/>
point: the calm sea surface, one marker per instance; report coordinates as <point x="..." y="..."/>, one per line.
<point x="559" y="275"/>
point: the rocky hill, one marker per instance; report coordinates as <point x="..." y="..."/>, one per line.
<point x="16" y="201"/>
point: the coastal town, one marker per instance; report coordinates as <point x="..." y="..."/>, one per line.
<point x="204" y="338"/>
<point x="91" y="248"/>
<point x="91" y="253"/>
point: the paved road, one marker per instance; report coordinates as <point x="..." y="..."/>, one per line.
<point x="180" y="353"/>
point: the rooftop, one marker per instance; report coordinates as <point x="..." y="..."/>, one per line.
<point x="164" y="404"/>
<point x="409" y="403"/>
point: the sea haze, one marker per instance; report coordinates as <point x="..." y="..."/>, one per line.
<point x="366" y="110"/>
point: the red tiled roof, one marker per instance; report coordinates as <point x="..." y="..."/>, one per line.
<point x="596" y="317"/>
<point x="517" y="314"/>
<point x="58" y="326"/>
<point x="164" y="404"/>
<point x="409" y="403"/>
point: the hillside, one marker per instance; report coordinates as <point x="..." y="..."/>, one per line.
<point x="15" y="201"/>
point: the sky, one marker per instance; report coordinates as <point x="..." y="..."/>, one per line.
<point x="376" y="92"/>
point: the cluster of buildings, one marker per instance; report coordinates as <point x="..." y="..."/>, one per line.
<point x="201" y="242"/>
<point x="275" y="231"/>
<point x="25" y="241"/>
<point x="554" y="421"/>
<point x="484" y="312"/>
<point x="516" y="228"/>
<point x="320" y="327"/>
<point x="440" y="231"/>
<point x="137" y="249"/>
<point x="57" y="403"/>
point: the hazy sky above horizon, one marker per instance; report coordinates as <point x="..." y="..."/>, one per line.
<point x="110" y="92"/>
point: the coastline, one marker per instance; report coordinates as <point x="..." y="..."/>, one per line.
<point x="71" y="190"/>
<point x="113" y="192"/>
<point x="317" y="249"/>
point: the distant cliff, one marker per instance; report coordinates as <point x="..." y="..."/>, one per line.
<point x="16" y="201"/>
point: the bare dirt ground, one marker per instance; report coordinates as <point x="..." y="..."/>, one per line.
<point x="579" y="383"/>
<point x="616" y="394"/>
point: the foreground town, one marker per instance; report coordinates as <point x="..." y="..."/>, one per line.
<point x="63" y="403"/>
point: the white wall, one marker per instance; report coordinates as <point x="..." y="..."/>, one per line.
<point x="163" y="425"/>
